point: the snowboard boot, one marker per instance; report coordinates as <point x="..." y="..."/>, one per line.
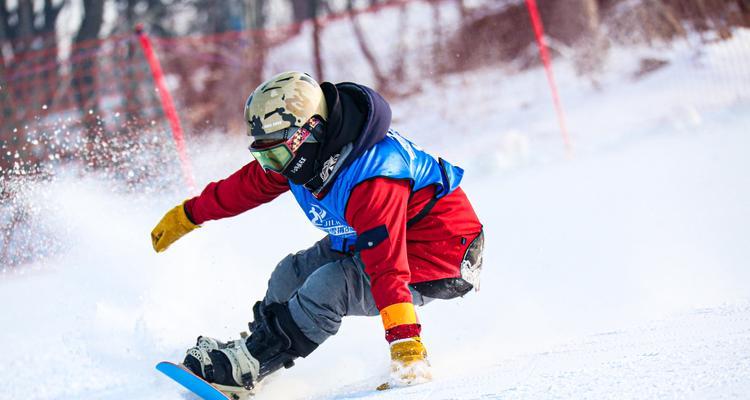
<point x="229" y="366"/>
<point x="236" y="367"/>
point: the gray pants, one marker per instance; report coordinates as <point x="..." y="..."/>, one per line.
<point x="321" y="287"/>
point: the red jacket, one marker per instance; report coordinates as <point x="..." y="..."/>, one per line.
<point x="431" y="249"/>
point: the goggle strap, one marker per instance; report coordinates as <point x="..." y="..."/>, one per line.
<point x="303" y="133"/>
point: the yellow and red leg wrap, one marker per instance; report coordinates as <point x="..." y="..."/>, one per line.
<point x="400" y="321"/>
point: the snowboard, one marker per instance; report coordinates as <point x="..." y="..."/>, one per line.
<point x="191" y="382"/>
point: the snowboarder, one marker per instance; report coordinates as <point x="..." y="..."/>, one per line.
<point x="400" y="230"/>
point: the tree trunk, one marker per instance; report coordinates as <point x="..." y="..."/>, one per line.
<point x="24" y="96"/>
<point x="5" y="33"/>
<point x="8" y="110"/>
<point x="317" y="28"/>
<point x="303" y="10"/>
<point x="398" y="73"/>
<point x="437" y="61"/>
<point x="50" y="77"/>
<point x="257" y="14"/>
<point x="380" y="81"/>
<point x="259" y="49"/>
<point x="84" y="80"/>
<point x="129" y="83"/>
<point x="25" y="27"/>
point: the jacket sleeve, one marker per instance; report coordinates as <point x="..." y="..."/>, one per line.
<point x="245" y="189"/>
<point x="377" y="211"/>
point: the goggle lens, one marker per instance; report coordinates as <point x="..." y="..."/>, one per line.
<point x="275" y="158"/>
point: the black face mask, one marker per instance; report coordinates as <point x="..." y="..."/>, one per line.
<point x="302" y="167"/>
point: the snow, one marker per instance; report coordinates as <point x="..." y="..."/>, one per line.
<point x="617" y="272"/>
<point x="644" y="362"/>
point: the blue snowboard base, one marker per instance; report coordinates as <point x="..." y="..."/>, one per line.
<point x="190" y="381"/>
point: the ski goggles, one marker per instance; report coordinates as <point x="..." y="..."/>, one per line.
<point x="276" y="151"/>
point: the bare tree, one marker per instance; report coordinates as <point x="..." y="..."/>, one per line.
<point x="303" y="10"/>
<point x="257" y="52"/>
<point x="84" y="68"/>
<point x="380" y="80"/>
<point x="315" y="6"/>
<point x="437" y="41"/>
<point x="398" y="71"/>
<point x="27" y="31"/>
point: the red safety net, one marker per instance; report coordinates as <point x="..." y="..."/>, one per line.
<point x="98" y="97"/>
<point x="97" y="104"/>
<point x="89" y="107"/>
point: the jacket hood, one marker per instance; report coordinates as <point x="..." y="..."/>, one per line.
<point x="358" y="118"/>
<point x="377" y="120"/>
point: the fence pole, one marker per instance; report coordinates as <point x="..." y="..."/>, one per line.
<point x="536" y="21"/>
<point x="168" y="105"/>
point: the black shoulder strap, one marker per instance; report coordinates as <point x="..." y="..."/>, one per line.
<point x="423" y="213"/>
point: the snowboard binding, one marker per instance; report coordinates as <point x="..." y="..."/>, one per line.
<point x="236" y="367"/>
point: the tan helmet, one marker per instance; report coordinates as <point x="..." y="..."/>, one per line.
<point x="287" y="100"/>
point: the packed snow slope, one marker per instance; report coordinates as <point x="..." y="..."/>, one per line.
<point x="620" y="271"/>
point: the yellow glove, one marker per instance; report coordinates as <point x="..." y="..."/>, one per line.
<point x="409" y="365"/>
<point x="173" y="225"/>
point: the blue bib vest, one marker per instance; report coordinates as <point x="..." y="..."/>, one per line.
<point x="393" y="157"/>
